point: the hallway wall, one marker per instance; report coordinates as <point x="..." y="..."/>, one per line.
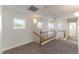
<point x="15" y="37"/>
<point x="78" y="32"/>
<point x="0" y="27"/>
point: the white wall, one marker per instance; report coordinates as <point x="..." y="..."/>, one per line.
<point x="10" y="37"/>
<point x="0" y="26"/>
<point x="78" y="32"/>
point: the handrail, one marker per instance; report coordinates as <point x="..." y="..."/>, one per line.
<point x="38" y="35"/>
<point x="42" y="37"/>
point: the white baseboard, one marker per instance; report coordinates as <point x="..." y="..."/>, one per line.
<point x="16" y="46"/>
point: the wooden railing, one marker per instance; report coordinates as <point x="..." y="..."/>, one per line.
<point x="42" y="39"/>
<point x="38" y="35"/>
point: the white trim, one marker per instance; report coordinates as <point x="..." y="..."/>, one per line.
<point x="16" y="46"/>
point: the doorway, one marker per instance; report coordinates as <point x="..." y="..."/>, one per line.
<point x="73" y="30"/>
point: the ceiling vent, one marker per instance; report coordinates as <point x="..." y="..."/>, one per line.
<point x="33" y="8"/>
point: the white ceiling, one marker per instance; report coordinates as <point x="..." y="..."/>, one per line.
<point x="47" y="10"/>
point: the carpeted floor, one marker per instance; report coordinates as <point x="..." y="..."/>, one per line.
<point x="53" y="47"/>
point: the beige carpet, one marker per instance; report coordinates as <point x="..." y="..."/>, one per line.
<point x="53" y="47"/>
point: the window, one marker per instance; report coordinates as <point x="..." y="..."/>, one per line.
<point x="50" y="26"/>
<point x="39" y="25"/>
<point x="60" y="26"/>
<point x="19" y="23"/>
